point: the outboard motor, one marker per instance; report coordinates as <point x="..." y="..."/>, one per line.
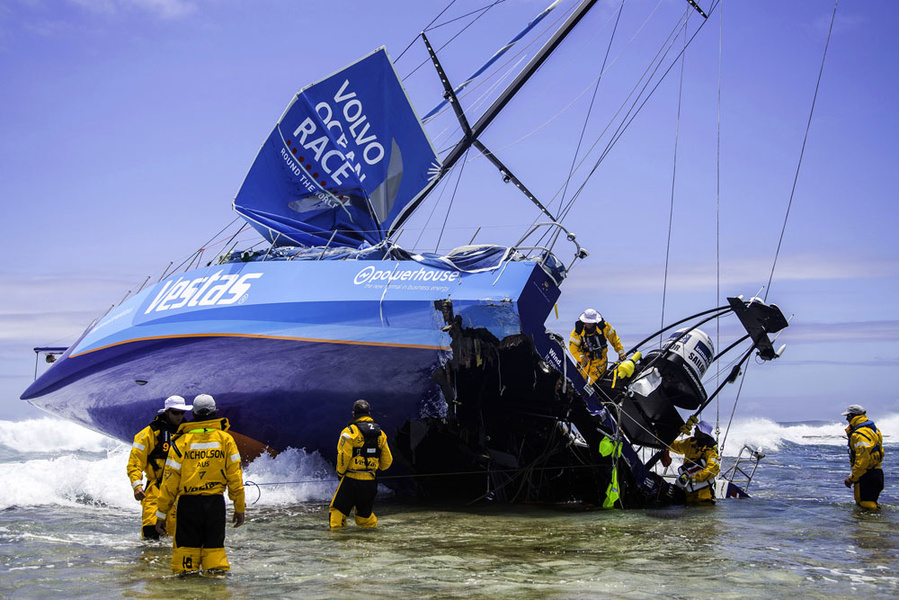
<point x="668" y="377"/>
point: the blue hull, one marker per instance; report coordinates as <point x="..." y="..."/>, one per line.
<point x="286" y="347"/>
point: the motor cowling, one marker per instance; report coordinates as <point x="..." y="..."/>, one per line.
<point x="685" y="357"/>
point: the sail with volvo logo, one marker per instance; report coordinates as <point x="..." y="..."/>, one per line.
<point x="479" y="399"/>
<point x="345" y="159"/>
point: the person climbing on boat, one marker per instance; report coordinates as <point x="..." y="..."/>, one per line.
<point x="865" y="457"/>
<point x="203" y="462"/>
<point x="362" y="451"/>
<point x="148" y="454"/>
<point x="588" y="343"/>
<point x="697" y="474"/>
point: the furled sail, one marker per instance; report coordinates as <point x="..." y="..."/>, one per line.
<point x="347" y="155"/>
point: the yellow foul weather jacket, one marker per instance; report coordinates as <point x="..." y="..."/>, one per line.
<point x="590" y="351"/>
<point x="148" y="454"/>
<point x="352" y="458"/>
<point x="203" y="460"/>
<point x="701" y="462"/>
<point x="865" y="446"/>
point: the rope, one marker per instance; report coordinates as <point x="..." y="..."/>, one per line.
<point x="450" y="207"/>
<point x="482" y="12"/>
<point x="718" y="218"/>
<point x="423" y="475"/>
<point x="580" y="140"/>
<point x="802" y="151"/>
<point x="680" y="95"/>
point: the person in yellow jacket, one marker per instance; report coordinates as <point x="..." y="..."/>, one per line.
<point x="362" y="451"/>
<point x="203" y="461"/>
<point x="148" y="454"/>
<point x="588" y="344"/>
<point x="865" y="457"/>
<point x="701" y="466"/>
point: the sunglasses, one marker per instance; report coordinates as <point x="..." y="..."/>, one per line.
<point x="176" y="412"/>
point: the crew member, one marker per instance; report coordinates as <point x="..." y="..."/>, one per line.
<point x="362" y="451"/>
<point x="865" y="456"/>
<point x="203" y="462"/>
<point x="588" y="343"/>
<point x="697" y="474"/>
<point x="148" y="453"/>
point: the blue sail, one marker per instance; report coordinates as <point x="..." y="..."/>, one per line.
<point x="346" y="157"/>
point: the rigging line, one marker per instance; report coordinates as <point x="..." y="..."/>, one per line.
<point x="460" y="17"/>
<point x="427" y="27"/>
<point x="430" y="216"/>
<point x="632" y="113"/>
<point x="455" y="128"/>
<point x="563" y="211"/>
<point x="517" y="57"/>
<point x="718" y="210"/>
<point x="651" y="71"/>
<point x="483" y="12"/>
<point x="199" y="251"/>
<point x="680" y="96"/>
<point x="450" y="207"/>
<point x="736" y="401"/>
<point x="580" y="140"/>
<point x="802" y="151"/>
<point x="576" y="98"/>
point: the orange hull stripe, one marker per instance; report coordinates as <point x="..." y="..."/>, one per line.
<point x="266" y="337"/>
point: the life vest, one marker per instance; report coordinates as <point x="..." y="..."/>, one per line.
<point x="876" y="451"/>
<point x="370" y="450"/>
<point x="593" y="343"/>
<point x="690" y="468"/>
<point x="160" y="451"/>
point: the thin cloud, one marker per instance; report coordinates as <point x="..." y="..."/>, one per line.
<point x="844" y="333"/>
<point x="749" y="273"/>
<point x="165" y="9"/>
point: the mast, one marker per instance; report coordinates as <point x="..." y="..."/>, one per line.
<point x="491" y="113"/>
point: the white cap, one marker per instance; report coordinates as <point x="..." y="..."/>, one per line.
<point x="204" y="404"/>
<point x="176" y="402"/>
<point x="705" y="427"/>
<point x="855" y="410"/>
<point x="590" y="316"/>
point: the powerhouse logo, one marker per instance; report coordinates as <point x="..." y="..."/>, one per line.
<point x="373" y="275"/>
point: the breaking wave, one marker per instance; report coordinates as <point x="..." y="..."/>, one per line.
<point x="48" y="461"/>
<point x="767" y="435"/>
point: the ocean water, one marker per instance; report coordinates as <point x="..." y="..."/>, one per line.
<point x="69" y="527"/>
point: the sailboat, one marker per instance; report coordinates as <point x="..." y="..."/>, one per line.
<point x="478" y="398"/>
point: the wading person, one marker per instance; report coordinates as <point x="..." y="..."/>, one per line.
<point x="203" y="462"/>
<point x="588" y="343"/>
<point x="697" y="474"/>
<point x="148" y="453"/>
<point x="865" y="457"/>
<point x="362" y="451"/>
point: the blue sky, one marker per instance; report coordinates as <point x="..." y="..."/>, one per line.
<point x="128" y="125"/>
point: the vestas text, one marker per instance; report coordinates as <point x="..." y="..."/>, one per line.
<point x="215" y="290"/>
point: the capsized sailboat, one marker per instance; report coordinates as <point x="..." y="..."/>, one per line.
<point x="478" y="398"/>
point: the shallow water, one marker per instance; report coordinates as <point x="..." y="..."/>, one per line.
<point x="799" y="536"/>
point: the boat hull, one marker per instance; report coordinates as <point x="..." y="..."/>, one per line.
<point x="286" y="347"/>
